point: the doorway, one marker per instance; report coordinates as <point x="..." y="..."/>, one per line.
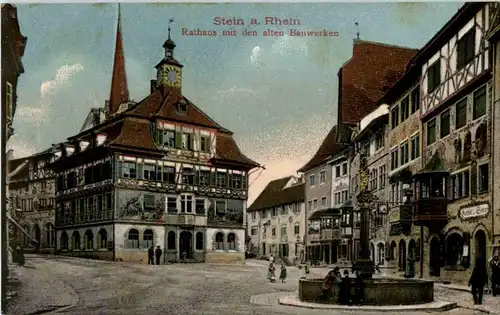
<point x="37" y="234"/>
<point x="402" y="255"/>
<point x="186" y="244"/>
<point x="334" y="253"/>
<point x="481" y="247"/>
<point x="326" y="254"/>
<point x="435" y="258"/>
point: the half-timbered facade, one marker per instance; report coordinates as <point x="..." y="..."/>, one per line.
<point x="455" y="91"/>
<point x="159" y="172"/>
<point x="32" y="195"/>
<point x="493" y="36"/>
<point x="276" y="220"/>
<point x="404" y="160"/>
<point x="370" y="144"/>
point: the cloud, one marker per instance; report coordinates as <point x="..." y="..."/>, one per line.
<point x="283" y="149"/>
<point x="290" y="46"/>
<point x="20" y="146"/>
<point x="255" y="58"/>
<point x="42" y="112"/>
<point x="63" y="76"/>
<point x="234" y="91"/>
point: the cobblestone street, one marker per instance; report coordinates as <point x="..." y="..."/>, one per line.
<point x="77" y="286"/>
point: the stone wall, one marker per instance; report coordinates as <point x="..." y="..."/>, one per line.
<point x="225" y="258"/>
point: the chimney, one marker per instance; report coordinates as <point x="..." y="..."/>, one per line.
<point x="153" y="85"/>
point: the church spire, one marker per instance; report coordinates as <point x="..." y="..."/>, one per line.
<point x="119" y="89"/>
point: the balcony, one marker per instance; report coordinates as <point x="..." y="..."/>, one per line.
<point x="431" y="211"/>
<point x="186" y="219"/>
<point x="346" y="232"/>
<point x="314" y="238"/>
<point x="330" y="235"/>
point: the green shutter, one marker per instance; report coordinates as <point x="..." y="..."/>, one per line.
<point x="119" y="169"/>
<point x="139" y="170"/>
<point x="159" y="139"/>
<point x="178" y="139"/>
<point x="190" y="142"/>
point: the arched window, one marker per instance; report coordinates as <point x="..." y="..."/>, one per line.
<point x="147" y="237"/>
<point x="50" y="235"/>
<point x="75" y="240"/>
<point x="381" y="254"/>
<point x="26" y="238"/>
<point x="219" y="240"/>
<point x="102" y="238"/>
<point x="88" y="240"/>
<point x="417" y="251"/>
<point x="171" y="240"/>
<point x="393" y="250"/>
<point x="454" y="249"/>
<point x="133" y="238"/>
<point x="64" y="240"/>
<point x="412" y="249"/>
<point x="199" y="241"/>
<point x="231" y="241"/>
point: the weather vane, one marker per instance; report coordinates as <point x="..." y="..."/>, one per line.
<point x="170" y="21"/>
<point x="357" y="27"/>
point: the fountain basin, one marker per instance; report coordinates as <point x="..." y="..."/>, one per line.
<point x="379" y="291"/>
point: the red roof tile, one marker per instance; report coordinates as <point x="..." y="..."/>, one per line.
<point x="274" y="195"/>
<point x="135" y="133"/>
<point x="328" y="148"/>
<point x="227" y="150"/>
<point x="119" y="89"/>
<point x="367" y="76"/>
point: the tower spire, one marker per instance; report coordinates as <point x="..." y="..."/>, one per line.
<point x="119" y="88"/>
<point x="169" y="44"/>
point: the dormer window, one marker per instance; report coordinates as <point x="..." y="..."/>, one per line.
<point x="182" y="107"/>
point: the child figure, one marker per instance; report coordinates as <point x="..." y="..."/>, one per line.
<point x="271" y="276"/>
<point x="283" y="272"/>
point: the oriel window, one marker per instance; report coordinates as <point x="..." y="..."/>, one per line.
<point x="204" y="178"/>
<point x="236" y="181"/>
<point x="149" y="171"/>
<point x="169" y="174"/>
<point x="128" y="170"/>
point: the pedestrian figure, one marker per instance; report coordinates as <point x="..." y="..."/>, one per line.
<point x="360" y="289"/>
<point x="283" y="272"/>
<point x="337" y="281"/>
<point x="345" y="290"/>
<point x="158" y="253"/>
<point x="271" y="273"/>
<point x="271" y="259"/>
<point x="327" y="286"/>
<point x="151" y="255"/>
<point x="478" y="280"/>
<point x="495" y="274"/>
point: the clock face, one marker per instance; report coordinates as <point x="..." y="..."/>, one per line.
<point x="171" y="76"/>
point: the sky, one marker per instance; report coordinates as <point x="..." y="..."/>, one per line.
<point x="277" y="94"/>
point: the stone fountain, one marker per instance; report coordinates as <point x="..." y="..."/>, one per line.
<point x="377" y="291"/>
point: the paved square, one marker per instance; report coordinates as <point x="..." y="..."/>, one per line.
<point x="78" y="286"/>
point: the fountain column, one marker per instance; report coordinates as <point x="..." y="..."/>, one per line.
<point x="364" y="265"/>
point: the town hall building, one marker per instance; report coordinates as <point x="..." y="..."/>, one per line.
<point x="158" y="172"/>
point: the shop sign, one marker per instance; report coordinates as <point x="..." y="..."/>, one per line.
<point x="474" y="212"/>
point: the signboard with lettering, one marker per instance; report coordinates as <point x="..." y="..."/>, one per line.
<point x="474" y="212"/>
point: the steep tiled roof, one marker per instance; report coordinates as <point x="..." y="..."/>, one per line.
<point x="328" y="148"/>
<point x="274" y="195"/>
<point x="119" y="88"/>
<point x="134" y="132"/>
<point x="162" y="103"/>
<point x="367" y="76"/>
<point x="228" y="150"/>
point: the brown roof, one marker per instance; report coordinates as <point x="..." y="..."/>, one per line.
<point x="274" y="195"/>
<point x="228" y="150"/>
<point x="133" y="132"/>
<point x="328" y="148"/>
<point x="162" y="103"/>
<point x="367" y="76"/>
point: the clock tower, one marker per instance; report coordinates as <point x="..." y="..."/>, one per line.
<point x="169" y="70"/>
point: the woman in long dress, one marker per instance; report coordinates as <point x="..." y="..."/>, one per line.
<point x="271" y="273"/>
